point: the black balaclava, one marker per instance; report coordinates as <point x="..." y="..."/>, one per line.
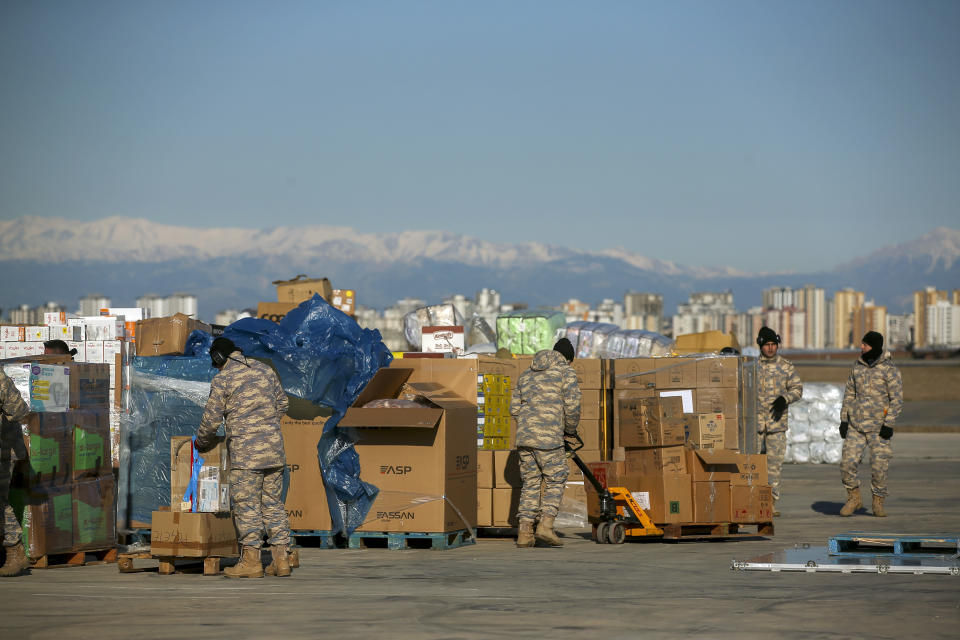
<point x="875" y="341"/>
<point x="565" y="348"/>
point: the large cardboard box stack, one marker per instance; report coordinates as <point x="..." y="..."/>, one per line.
<point x="65" y="491"/>
<point x="422" y="460"/>
<point x="306" y="502"/>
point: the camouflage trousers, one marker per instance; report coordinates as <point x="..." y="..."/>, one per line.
<point x="775" y="446"/>
<point x="255" y="495"/>
<point x="544" y="473"/>
<point x="12" y="533"/>
<point x="881" y="453"/>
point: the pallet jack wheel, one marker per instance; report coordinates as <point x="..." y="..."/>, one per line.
<point x="616" y="533"/>
<point x="601" y="532"/>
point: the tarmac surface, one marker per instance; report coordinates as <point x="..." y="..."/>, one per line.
<point x="584" y="590"/>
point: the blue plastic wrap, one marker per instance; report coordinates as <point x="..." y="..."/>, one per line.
<point x="324" y="356"/>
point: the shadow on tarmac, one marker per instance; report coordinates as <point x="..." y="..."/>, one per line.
<point x="832" y="508"/>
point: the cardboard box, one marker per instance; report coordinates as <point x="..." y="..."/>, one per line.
<point x="91" y="444"/>
<point x="46" y="512"/>
<point x="10" y="333"/>
<point x="485" y="468"/>
<point x="94" y="514"/>
<point x="484" y="507"/>
<point x="654" y="460"/>
<point x="677" y="373"/>
<point x="666" y="498"/>
<point x="306" y="504"/>
<point x="214" y="495"/>
<point x="94" y="351"/>
<point x="36" y="334"/>
<point x="423" y="460"/>
<point x="456" y="375"/>
<point x="505" y="505"/>
<point x="55" y="317"/>
<point x="274" y="311"/>
<point x="719" y="371"/>
<point x="345" y="300"/>
<point x="165" y="336"/>
<point x="89" y="386"/>
<point x="716" y="400"/>
<point x="591" y="404"/>
<point x="49" y="388"/>
<point x="50" y="443"/>
<point x="104" y="328"/>
<point x="706" y="431"/>
<point x="728" y="466"/>
<point x="302" y="288"/>
<point x="446" y="339"/>
<point x="751" y="503"/>
<point x="650" y="422"/>
<point x="192" y="535"/>
<point x="81" y="347"/>
<point x="506" y="469"/>
<point x="711" y="501"/>
<point x="704" y="342"/>
<point x="590" y="373"/>
<point x="589" y="431"/>
<point x="631" y="373"/>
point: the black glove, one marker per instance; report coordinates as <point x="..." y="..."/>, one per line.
<point x="571" y="441"/>
<point x="778" y="407"/>
<point x="886" y="432"/>
<point x="843" y="430"/>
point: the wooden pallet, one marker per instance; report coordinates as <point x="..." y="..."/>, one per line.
<point x="869" y="544"/>
<point x="715" y="531"/>
<point x="167" y="565"/>
<point x="74" y="559"/>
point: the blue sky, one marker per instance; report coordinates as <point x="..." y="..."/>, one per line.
<point x="762" y="135"/>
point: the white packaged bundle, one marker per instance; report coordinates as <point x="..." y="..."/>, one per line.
<point x="814" y="421"/>
<point x="801" y="452"/>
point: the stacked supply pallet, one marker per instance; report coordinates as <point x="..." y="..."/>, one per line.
<point x="493" y="410"/>
<point x="64" y="492"/>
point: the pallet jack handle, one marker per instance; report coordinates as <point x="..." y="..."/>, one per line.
<point x="572" y="448"/>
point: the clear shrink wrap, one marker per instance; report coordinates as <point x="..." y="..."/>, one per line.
<point x="437" y="315"/>
<point x="813" y="435"/>
<point x="526" y="332"/>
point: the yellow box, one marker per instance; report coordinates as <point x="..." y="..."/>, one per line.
<point x="496" y="442"/>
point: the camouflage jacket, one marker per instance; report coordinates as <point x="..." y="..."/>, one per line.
<point x="13" y="409"/>
<point x="546" y="402"/>
<point x="776" y="377"/>
<point x="247" y="393"/>
<point x="874" y="394"/>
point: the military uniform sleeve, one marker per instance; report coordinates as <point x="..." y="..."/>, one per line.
<point x="571" y="401"/>
<point x="13" y="405"/>
<point x="895" y="396"/>
<point x="212" y="413"/>
<point x="849" y="397"/>
<point x="794" y="387"/>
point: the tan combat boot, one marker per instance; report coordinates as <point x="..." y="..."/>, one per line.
<point x="249" y="565"/>
<point x="525" y="535"/>
<point x="853" y="502"/>
<point x="546" y="534"/>
<point x="281" y="562"/>
<point x="878" y="507"/>
<point x="16" y="562"/>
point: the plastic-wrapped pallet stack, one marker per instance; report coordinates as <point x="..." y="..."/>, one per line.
<point x="526" y="332"/>
<point x="813" y="435"/>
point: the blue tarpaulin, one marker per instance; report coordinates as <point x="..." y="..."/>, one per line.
<point x="321" y="355"/>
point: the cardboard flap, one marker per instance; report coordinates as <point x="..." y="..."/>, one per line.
<point x="386" y="383"/>
<point x="425" y="418"/>
<point x="439" y="395"/>
<point x="719" y="456"/>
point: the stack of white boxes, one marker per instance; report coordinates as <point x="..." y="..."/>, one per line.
<point x="107" y="338"/>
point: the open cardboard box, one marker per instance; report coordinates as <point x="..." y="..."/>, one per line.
<point x="423" y="460"/>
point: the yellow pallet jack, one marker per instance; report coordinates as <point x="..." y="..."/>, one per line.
<point x="620" y="515"/>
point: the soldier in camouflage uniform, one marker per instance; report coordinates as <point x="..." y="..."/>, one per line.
<point x="13" y="410"/>
<point x="546" y="404"/>
<point x="872" y="402"/>
<point x="778" y="386"/>
<point x="248" y="394"/>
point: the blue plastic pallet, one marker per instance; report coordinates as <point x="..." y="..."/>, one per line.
<point x="409" y="540"/>
<point x="871" y="544"/>
<point x="327" y="539"/>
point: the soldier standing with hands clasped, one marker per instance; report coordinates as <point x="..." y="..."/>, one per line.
<point x="248" y="394"/>
<point x="546" y="404"/>
<point x="778" y="386"/>
<point x="872" y="402"/>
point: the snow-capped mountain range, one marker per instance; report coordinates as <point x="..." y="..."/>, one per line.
<point x="62" y="260"/>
